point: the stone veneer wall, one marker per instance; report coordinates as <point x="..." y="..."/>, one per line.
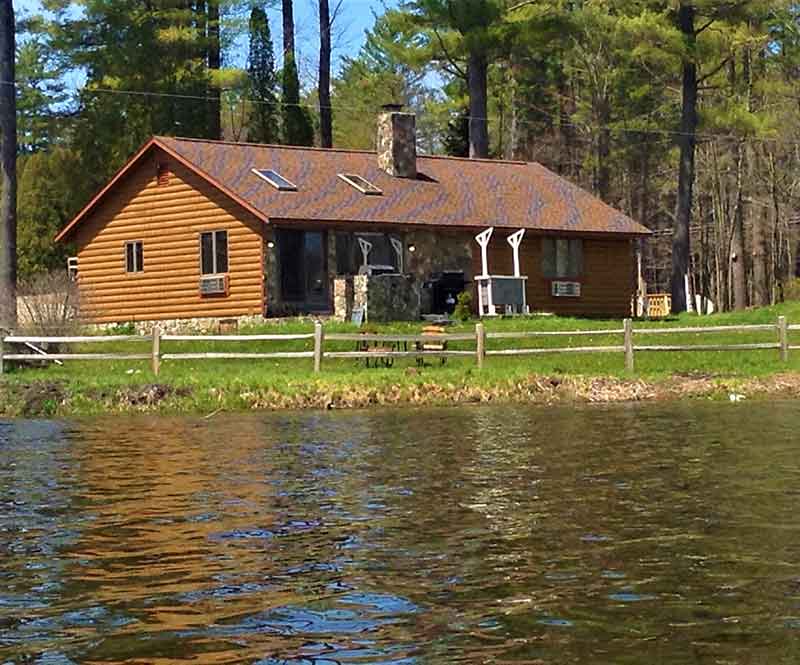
<point x="397" y="144"/>
<point x="343" y="298"/>
<point x="386" y="297"/>
<point x="402" y="298"/>
<point x="439" y="250"/>
<point x="185" y="326"/>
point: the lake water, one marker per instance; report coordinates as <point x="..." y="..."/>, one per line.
<point x="649" y="534"/>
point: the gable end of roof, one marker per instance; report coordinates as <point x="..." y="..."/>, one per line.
<point x="154" y="142"/>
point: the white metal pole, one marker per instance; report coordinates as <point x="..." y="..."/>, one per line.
<point x="483" y="239"/>
<point x="515" y="240"/>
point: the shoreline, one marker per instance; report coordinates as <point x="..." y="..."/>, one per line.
<point x="57" y="398"/>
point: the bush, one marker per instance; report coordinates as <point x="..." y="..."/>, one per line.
<point x="48" y="305"/>
<point x="463" y="310"/>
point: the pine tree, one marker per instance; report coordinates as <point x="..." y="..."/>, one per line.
<point x="44" y="205"/>
<point x="297" y="126"/>
<point x="456" y="140"/>
<point x="465" y="36"/>
<point x="150" y="77"/>
<point x="263" y="80"/>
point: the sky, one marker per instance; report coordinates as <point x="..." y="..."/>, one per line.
<point x="348" y="31"/>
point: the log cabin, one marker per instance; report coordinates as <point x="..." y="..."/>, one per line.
<point x="195" y="230"/>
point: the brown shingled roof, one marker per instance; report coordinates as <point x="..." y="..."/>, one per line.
<point x="448" y="191"/>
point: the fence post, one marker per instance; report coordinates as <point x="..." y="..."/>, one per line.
<point x="156" y="350"/>
<point x="2" y="337"/>
<point x="480" y="349"/>
<point x="783" y="338"/>
<point x="629" y="363"/>
<point x="318" y="339"/>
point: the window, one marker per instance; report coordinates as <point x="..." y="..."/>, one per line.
<point x="134" y="256"/>
<point x="276" y="180"/>
<point x="562" y="258"/>
<point x="361" y="184"/>
<point x="214" y="252"/>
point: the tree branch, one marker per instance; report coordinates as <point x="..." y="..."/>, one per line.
<point x="714" y="71"/>
<point x="520" y="5"/>
<point x="457" y="70"/>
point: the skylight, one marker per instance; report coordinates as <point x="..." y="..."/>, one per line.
<point x="361" y="184"/>
<point x="276" y="180"/>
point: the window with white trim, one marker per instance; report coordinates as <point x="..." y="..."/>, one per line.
<point x="276" y="180"/>
<point x="134" y="256"/>
<point x="562" y="258"/>
<point x="214" y="252"/>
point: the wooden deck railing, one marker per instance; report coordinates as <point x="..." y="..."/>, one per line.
<point x="397" y="345"/>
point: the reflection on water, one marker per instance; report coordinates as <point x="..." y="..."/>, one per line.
<point x="655" y="534"/>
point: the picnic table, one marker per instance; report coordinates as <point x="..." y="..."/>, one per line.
<point x="380" y="348"/>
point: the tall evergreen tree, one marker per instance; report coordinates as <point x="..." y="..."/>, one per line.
<point x="263" y="127"/>
<point x="146" y="73"/>
<point x="456" y="140"/>
<point x="464" y="36"/>
<point x="8" y="169"/>
<point x="45" y="205"/>
<point x="214" y="62"/>
<point x="297" y="127"/>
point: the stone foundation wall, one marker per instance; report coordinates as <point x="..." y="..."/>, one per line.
<point x="205" y="326"/>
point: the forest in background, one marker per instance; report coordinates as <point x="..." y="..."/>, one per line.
<point x="684" y="115"/>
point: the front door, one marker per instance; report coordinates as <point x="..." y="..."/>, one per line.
<point x="304" y="269"/>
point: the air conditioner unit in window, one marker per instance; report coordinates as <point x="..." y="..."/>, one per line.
<point x="565" y="289"/>
<point x="212" y="285"/>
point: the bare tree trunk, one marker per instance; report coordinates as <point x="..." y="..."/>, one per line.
<point x="477" y="81"/>
<point x="8" y="170"/>
<point x="214" y="65"/>
<point x="566" y="164"/>
<point x="602" y="183"/>
<point x="687" y="140"/>
<point x="515" y="139"/>
<point x="325" y="114"/>
<point x="738" y="259"/>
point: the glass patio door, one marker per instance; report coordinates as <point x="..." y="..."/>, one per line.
<point x="304" y="269"/>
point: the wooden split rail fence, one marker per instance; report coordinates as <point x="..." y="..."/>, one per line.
<point x="480" y="337"/>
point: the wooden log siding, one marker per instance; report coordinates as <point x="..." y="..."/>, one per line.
<point x="168" y="219"/>
<point x="607" y="282"/>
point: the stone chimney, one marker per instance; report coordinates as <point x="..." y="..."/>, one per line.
<point x="397" y="142"/>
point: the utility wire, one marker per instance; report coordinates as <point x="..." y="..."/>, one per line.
<point x="463" y="116"/>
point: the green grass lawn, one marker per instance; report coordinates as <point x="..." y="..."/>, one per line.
<point x="206" y="385"/>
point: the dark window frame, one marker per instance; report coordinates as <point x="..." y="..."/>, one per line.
<point x="134" y="257"/>
<point x="215" y="252"/>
